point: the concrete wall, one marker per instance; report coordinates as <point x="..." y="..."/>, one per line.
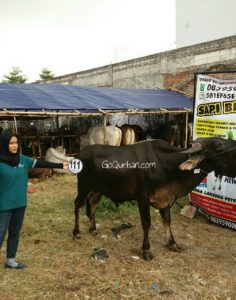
<point x="171" y="69"/>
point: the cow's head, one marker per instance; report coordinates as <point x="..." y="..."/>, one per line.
<point x="204" y="148"/>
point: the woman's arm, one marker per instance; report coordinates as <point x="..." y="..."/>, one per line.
<point x="50" y="165"/>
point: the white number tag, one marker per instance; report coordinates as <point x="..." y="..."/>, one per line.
<point x="75" y="166"/>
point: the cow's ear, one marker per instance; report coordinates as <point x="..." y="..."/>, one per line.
<point x="196" y="147"/>
<point x="191" y="163"/>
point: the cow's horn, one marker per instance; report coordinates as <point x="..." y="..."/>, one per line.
<point x="191" y="163"/>
<point x="196" y="147"/>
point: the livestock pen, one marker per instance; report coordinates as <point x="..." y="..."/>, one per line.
<point x="46" y="115"/>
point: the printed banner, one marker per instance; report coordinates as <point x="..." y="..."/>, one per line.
<point x="215" y="115"/>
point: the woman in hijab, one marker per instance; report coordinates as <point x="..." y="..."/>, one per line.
<point x="13" y="192"/>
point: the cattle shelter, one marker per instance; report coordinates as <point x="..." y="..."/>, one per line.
<point x="39" y="113"/>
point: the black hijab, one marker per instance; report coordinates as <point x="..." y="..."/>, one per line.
<point x="11" y="159"/>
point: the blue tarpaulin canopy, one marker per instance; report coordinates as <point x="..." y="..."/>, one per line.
<point x="57" y="97"/>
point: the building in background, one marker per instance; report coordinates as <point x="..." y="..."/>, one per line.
<point x="205" y="39"/>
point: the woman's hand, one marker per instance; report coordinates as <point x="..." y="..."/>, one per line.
<point x="65" y="166"/>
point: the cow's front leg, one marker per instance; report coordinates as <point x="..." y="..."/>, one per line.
<point x="166" y="220"/>
<point x="144" y="210"/>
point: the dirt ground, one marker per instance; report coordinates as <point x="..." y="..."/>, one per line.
<point x="60" y="268"/>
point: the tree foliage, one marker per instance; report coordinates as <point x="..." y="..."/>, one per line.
<point x="46" y="74"/>
<point x="15" y="76"/>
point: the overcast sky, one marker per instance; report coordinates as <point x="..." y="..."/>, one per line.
<point x="68" y="36"/>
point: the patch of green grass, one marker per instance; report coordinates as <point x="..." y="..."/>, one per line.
<point x="105" y="204"/>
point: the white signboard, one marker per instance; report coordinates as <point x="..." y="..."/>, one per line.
<point x="215" y="115"/>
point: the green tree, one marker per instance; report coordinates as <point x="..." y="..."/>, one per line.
<point x="15" y="76"/>
<point x="46" y="74"/>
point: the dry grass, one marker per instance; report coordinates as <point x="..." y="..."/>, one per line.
<point x="60" y="268"/>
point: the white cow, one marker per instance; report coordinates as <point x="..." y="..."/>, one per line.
<point x="58" y="155"/>
<point x="109" y="135"/>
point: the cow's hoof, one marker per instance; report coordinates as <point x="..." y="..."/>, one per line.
<point x="147" y="255"/>
<point x="175" y="248"/>
<point x="93" y="231"/>
<point x="76" y="235"/>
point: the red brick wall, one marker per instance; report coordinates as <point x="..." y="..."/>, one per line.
<point x="183" y="82"/>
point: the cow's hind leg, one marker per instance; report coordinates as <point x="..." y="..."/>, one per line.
<point x="144" y="210"/>
<point x="166" y="220"/>
<point x="91" y="206"/>
<point x="79" y="202"/>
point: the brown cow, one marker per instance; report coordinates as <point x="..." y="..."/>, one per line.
<point x="128" y="135"/>
<point x="152" y="172"/>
